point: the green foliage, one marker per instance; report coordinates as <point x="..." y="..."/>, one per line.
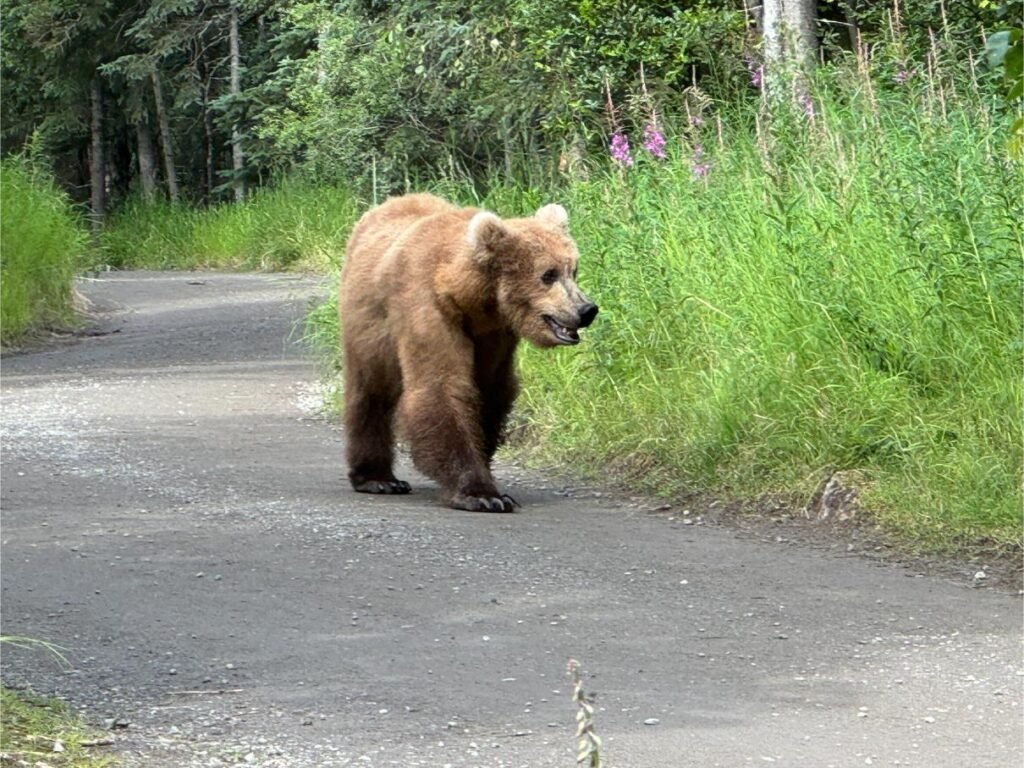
<point x="51" y="49"/>
<point x="291" y="226"/>
<point x="856" y="309"/>
<point x="41" y="246"/>
<point x="918" y="24"/>
<point x="393" y="99"/>
<point x="394" y="96"/>
<point x="1006" y="51"/>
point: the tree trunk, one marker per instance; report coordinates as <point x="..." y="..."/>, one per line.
<point x="147" y="159"/>
<point x="97" y="158"/>
<point x="237" y="157"/>
<point x="165" y="139"/>
<point x="208" y="141"/>
<point x="802" y="17"/>
<point x="852" y="25"/>
<point x="209" y="168"/>
<point x="790" y="42"/>
<point x="119" y="161"/>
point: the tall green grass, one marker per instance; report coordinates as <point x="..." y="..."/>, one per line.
<point x="291" y="226"/>
<point x="41" y="246"/>
<point x="856" y="306"/>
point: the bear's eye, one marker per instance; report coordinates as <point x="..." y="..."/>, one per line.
<point x="549" y="277"/>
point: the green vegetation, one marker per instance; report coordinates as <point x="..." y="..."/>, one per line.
<point x="41" y="730"/>
<point x="41" y="246"/>
<point x="286" y="227"/>
<point x="859" y="308"/>
<point x="1006" y="52"/>
<point x="38" y="730"/>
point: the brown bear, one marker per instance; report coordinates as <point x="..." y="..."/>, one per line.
<point x="434" y="299"/>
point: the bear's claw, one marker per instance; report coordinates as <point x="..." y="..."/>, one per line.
<point x="382" y="486"/>
<point x="503" y="503"/>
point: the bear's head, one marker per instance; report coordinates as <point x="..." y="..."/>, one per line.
<point x="532" y="264"/>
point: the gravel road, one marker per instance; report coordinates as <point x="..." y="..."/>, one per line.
<point x="176" y="516"/>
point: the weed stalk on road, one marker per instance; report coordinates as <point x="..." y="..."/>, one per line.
<point x="588" y="746"/>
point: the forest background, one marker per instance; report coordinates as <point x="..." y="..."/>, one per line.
<point x="805" y="231"/>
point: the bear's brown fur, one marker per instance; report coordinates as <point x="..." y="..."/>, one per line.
<point x="433" y="301"/>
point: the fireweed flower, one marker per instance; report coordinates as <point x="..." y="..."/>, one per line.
<point x="756" y="71"/>
<point x="654" y="142"/>
<point x="620" y="150"/>
<point x="807" y="105"/>
<point x="698" y="166"/>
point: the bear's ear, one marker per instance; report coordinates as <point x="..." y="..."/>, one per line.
<point x="555" y="216"/>
<point x="485" y="234"/>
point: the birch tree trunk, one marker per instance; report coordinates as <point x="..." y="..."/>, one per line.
<point x="147" y="159"/>
<point x="165" y="139"/>
<point x="790" y="42"/>
<point x="237" y="156"/>
<point x="97" y="157"/>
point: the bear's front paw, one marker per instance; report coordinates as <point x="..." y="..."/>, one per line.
<point x="382" y="486"/>
<point x="503" y="503"/>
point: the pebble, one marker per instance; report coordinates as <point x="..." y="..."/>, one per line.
<point x="651" y="721"/>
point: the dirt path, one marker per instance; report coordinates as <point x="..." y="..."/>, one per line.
<point x="175" y="515"/>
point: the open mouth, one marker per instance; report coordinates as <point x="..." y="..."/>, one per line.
<point x="562" y="333"/>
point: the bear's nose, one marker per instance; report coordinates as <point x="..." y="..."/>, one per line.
<point x="587" y="314"/>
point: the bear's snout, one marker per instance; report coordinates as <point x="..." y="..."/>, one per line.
<point x="587" y="314"/>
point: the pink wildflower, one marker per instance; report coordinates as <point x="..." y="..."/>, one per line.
<point x="620" y="150"/>
<point x="698" y="166"/>
<point x="756" y="70"/>
<point x="654" y="142"/>
<point x="807" y="104"/>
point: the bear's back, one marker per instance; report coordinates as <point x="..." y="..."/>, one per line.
<point x="380" y="227"/>
<point x="379" y="264"/>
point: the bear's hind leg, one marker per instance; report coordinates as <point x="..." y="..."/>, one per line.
<point x="369" y="420"/>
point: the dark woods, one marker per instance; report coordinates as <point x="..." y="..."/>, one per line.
<point x="200" y="101"/>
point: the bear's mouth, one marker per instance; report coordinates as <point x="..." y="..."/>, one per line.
<point x="563" y="333"/>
